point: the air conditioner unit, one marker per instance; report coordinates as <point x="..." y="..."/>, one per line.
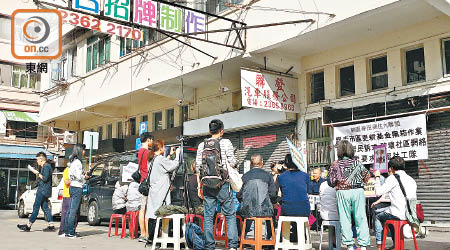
<point x="70" y="138"/>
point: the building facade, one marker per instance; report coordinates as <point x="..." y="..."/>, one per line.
<point x="355" y="65"/>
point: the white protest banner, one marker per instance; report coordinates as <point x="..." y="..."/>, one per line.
<point x="128" y="170"/>
<point x="405" y="137"/>
<point x="268" y="91"/>
<point x="297" y="156"/>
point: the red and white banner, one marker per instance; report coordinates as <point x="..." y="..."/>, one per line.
<point x="269" y="91"/>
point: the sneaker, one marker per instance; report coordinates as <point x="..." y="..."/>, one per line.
<point x="142" y="239"/>
<point x="49" y="229"/>
<point x="61" y="235"/>
<point x="24" y="227"/>
<point x="71" y="236"/>
<point x="78" y="235"/>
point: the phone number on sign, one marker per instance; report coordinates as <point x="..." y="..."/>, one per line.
<point x="279" y="106"/>
<point x="93" y="23"/>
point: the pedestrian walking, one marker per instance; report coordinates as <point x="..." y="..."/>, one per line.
<point x="43" y="193"/>
<point x="77" y="179"/>
<point x="213" y="155"/>
<point x="348" y="176"/>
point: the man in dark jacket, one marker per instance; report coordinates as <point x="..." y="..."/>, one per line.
<point x="43" y="192"/>
<point x="258" y="192"/>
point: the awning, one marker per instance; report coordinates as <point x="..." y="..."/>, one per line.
<point x="22" y="152"/>
<point x="20" y="116"/>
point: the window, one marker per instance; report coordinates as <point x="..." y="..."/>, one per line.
<point x="170" y="118"/>
<point x="109" y="132"/>
<point x="415" y="65"/>
<point x="98" y="52"/>
<point x="378" y="73"/>
<point x="347" y="80"/>
<point x="72" y="55"/>
<point x="155" y="36"/>
<point x="446" y="53"/>
<point x="100" y="133"/>
<point x="317" y="143"/>
<point x="317" y="87"/>
<point x="133" y="126"/>
<point x="144" y="118"/>
<point x="215" y="6"/>
<point x="126" y="44"/>
<point x="119" y="130"/>
<point x="157" y="117"/>
<point x="184" y="113"/>
<point x="21" y="79"/>
<point x="22" y="129"/>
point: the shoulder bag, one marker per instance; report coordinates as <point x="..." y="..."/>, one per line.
<point x="414" y="210"/>
<point x="145" y="184"/>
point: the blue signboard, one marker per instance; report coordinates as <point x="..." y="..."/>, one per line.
<point x="143" y="127"/>
<point x="138" y="143"/>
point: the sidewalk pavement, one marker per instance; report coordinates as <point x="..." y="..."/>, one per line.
<point x="97" y="237"/>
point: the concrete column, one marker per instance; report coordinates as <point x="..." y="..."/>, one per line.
<point x="433" y="61"/>
<point x="150" y="122"/>
<point x="330" y="78"/>
<point x="361" y="86"/>
<point x="395" y="69"/>
<point x="177" y="116"/>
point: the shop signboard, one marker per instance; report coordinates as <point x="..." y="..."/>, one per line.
<point x="268" y="91"/>
<point x="404" y="136"/>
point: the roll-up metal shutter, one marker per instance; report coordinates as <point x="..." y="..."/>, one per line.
<point x="433" y="177"/>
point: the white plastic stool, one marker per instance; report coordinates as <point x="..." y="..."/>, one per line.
<point x="337" y="230"/>
<point x="284" y="231"/>
<point x="178" y="220"/>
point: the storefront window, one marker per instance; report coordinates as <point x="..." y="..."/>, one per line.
<point x="317" y="143"/>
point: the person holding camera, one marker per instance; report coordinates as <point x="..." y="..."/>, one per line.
<point x="159" y="182"/>
<point x="43" y="193"/>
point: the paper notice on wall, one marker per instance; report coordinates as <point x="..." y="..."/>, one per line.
<point x="405" y="137"/>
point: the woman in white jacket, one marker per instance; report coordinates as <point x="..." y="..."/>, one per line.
<point x="77" y="179"/>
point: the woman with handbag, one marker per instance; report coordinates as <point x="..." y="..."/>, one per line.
<point x="348" y="176"/>
<point x="159" y="182"/>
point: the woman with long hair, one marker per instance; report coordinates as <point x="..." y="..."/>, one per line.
<point x="77" y="179"/>
<point x="348" y="176"/>
<point x="159" y="181"/>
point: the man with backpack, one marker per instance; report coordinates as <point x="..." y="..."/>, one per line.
<point x="213" y="156"/>
<point x="147" y="142"/>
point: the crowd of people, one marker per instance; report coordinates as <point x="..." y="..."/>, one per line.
<point x="284" y="191"/>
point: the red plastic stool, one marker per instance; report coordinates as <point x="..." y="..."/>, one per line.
<point x="116" y="217"/>
<point x="132" y="223"/>
<point x="399" y="243"/>
<point x="218" y="234"/>
<point x="190" y="218"/>
<point x="258" y="241"/>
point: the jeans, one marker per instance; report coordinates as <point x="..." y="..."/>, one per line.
<point x="225" y="199"/>
<point x="381" y="219"/>
<point x="352" y="203"/>
<point x="41" y="202"/>
<point x="75" y="199"/>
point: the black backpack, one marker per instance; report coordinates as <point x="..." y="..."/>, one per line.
<point x="212" y="173"/>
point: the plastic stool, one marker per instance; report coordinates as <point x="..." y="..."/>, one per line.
<point x="116" y="217"/>
<point x="191" y="217"/>
<point x="399" y="243"/>
<point x="258" y="241"/>
<point x="337" y="230"/>
<point x="283" y="233"/>
<point x="220" y="228"/>
<point x="178" y="221"/>
<point x="132" y="223"/>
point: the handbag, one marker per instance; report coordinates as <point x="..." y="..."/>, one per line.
<point x="144" y="187"/>
<point x="413" y="207"/>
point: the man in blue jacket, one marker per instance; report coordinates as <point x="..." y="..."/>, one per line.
<point x="44" y="192"/>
